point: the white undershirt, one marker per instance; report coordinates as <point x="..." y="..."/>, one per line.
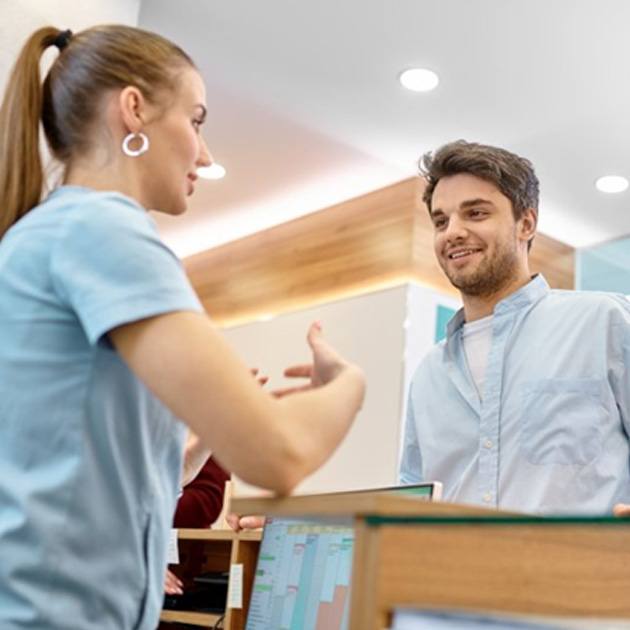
<point x="477" y="338"/>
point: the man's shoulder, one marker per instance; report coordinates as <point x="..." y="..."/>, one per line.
<point x="588" y="312"/>
<point x="585" y="300"/>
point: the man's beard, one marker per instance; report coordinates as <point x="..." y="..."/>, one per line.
<point x="490" y="276"/>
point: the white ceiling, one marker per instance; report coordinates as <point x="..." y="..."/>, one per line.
<point x="306" y="109"/>
<point x="19" y="18"/>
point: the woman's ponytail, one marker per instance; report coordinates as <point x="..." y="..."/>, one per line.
<point x="21" y="170"/>
<point x="69" y="101"/>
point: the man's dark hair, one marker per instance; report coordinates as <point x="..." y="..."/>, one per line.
<point x="513" y="175"/>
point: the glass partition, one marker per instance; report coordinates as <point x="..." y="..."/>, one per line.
<point x="605" y="267"/>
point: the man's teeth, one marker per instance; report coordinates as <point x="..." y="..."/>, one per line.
<point x="462" y="253"/>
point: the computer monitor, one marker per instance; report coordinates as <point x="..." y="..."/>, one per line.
<point x="304" y="569"/>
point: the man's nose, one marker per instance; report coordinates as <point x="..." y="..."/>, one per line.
<point x="456" y="229"/>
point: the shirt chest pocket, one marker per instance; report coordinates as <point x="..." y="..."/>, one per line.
<point x="562" y="421"/>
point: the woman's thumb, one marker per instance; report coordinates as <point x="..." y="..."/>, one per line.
<point x="314" y="334"/>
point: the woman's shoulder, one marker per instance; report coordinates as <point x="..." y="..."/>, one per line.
<point x="73" y="212"/>
<point x="85" y="204"/>
<point x="72" y="207"/>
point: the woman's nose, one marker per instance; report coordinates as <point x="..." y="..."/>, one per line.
<point x="205" y="157"/>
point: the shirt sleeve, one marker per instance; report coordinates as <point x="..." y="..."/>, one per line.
<point x="111" y="267"/>
<point x="411" y="459"/>
<point x="620" y="362"/>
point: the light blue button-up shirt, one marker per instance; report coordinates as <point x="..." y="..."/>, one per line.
<point x="90" y="460"/>
<point x="551" y="433"/>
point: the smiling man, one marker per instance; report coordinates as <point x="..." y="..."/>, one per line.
<point x="526" y="404"/>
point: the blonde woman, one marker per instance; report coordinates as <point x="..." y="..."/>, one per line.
<point x="104" y="345"/>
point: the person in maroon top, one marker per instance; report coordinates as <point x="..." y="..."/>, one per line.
<point x="202" y="499"/>
<point x="199" y="506"/>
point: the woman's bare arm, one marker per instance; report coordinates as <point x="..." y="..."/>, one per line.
<point x="274" y="443"/>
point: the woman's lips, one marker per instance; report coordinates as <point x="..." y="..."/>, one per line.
<point x="191" y="183"/>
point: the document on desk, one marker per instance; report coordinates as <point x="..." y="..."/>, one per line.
<point x="452" y="620"/>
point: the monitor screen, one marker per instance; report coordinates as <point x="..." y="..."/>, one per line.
<point x="429" y="491"/>
<point x="302" y="579"/>
<point x="303" y="576"/>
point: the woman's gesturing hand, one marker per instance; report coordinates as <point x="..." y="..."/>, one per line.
<point x="326" y="366"/>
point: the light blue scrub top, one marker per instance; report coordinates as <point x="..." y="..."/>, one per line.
<point x="551" y="433"/>
<point x="90" y="460"/>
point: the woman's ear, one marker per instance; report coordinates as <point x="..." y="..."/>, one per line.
<point x="132" y="106"/>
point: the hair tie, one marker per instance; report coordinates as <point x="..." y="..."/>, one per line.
<point x="62" y="39"/>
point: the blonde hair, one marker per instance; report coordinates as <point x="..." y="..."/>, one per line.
<point x="89" y="64"/>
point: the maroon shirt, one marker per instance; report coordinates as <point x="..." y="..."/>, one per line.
<point x="202" y="500"/>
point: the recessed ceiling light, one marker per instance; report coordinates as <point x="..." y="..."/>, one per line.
<point x="419" y="79"/>
<point x="611" y="184"/>
<point x="215" y="171"/>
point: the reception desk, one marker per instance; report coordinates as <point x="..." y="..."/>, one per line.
<point x="410" y="553"/>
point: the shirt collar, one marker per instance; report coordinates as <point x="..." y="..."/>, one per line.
<point x="533" y="291"/>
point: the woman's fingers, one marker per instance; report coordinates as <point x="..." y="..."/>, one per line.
<point x="327" y="364"/>
<point x="305" y="371"/>
<point x="172" y="584"/>
<point x="314" y="334"/>
<point x="261" y="379"/>
<point x="287" y="391"/>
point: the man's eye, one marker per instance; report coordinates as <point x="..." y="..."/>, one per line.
<point x="439" y="223"/>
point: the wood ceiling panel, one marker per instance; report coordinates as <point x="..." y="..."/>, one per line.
<point x="379" y="239"/>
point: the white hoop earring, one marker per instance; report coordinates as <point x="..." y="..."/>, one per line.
<point x="144" y="147"/>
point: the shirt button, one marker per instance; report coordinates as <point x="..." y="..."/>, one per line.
<point x="488" y="443"/>
<point x="487" y="497"/>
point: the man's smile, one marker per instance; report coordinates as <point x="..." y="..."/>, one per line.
<point x="462" y="253"/>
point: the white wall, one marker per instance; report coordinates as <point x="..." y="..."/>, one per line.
<point x="19" y="18"/>
<point x="386" y="333"/>
<point x="368" y="330"/>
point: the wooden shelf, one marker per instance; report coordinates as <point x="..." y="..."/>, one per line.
<point x="204" y="550"/>
<point x="206" y="620"/>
